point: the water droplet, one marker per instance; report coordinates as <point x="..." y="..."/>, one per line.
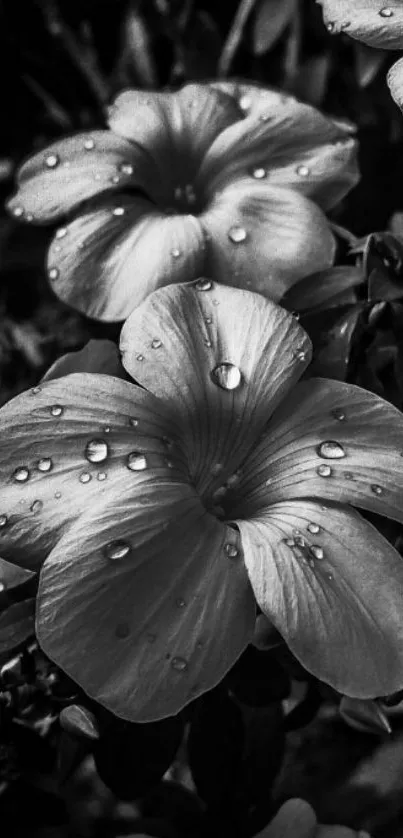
<point x="317" y="551"/>
<point x="126" y="168"/>
<point x="231" y="551"/>
<point x="330" y="26"/>
<point x="289" y="542"/>
<point x="300" y="354"/>
<point x="233" y="480"/>
<point x="227" y="376"/>
<point x="237" y="234"/>
<point x="133" y="421"/>
<point x="122" y="630"/>
<point x="96" y="451"/>
<point x="264" y="117"/>
<point x="53" y="273"/>
<point x="58" y="495"/>
<point x="36" y="390"/>
<point x="102" y="475"/>
<point x="339" y="414"/>
<point x="115" y="179"/>
<point x="208" y="344"/>
<point x="245" y="102"/>
<point x="18" y="211"/>
<point x="85" y="477"/>
<point x="331" y="450"/>
<point x="140" y="357"/>
<point x="61" y="233"/>
<point x="3" y="520"/>
<point x="45" y="464"/>
<point x="29" y="217"/>
<point x="176" y="252"/>
<point x="118" y="211"/>
<point x="204" y="284"/>
<point x="386" y="12"/>
<point x="136" y="461"/>
<point x="56" y="410"/>
<point x="303" y="171"/>
<point x="117" y="550"/>
<point x="209" y="320"/>
<point x="89" y="144"/>
<point x="313" y="528"/>
<point x="156" y="343"/>
<point x="36" y="506"/>
<point x="216" y="468"/>
<point x="179" y="664"/>
<point x="345" y="25"/>
<point x="259" y="173"/>
<point x="21" y="474"/>
<point x="377" y="490"/>
<point x="180" y="602"/>
<point x="324" y="471"/>
<point x="52" y="160"/>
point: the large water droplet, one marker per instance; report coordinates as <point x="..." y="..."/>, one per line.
<point x="179" y="664"/>
<point x="36" y="506"/>
<point x="317" y="551"/>
<point x="339" y="414"/>
<point x="245" y="102"/>
<point x="117" y="550"/>
<point x="377" y="490"/>
<point x="313" y="528"/>
<point x="85" y="477"/>
<point x="231" y="551"/>
<point x="21" y="474"/>
<point x="303" y="171"/>
<point x="126" y="168"/>
<point x="227" y="376"/>
<point x="89" y="144"/>
<point x="52" y="160"/>
<point x="331" y="450"/>
<point x="259" y="173"/>
<point x="324" y="471"/>
<point x="96" y="451"/>
<point x="237" y="234"/>
<point x="61" y="232"/>
<point x="56" y="410"/>
<point x="3" y="520"/>
<point x="53" y="273"/>
<point x="45" y="464"/>
<point x="386" y="12"/>
<point x="118" y="211"/>
<point x="176" y="252"/>
<point x="156" y="343"/>
<point x="136" y="461"/>
<point x="18" y="212"/>
<point x="204" y="284"/>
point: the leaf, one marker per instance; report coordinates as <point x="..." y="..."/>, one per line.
<point x="271" y="19"/>
<point x="17" y="624"/>
<point x="368" y="62"/>
<point x="326" y="289"/>
<point x="332" y="360"/>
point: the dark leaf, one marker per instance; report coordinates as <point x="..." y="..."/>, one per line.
<point x="327" y="289"/>
<point x="332" y="359"/>
<point x="271" y="19"/>
<point x="17" y="624"/>
<point x="258" y="679"/>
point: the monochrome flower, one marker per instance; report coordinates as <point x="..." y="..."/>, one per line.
<point x="223" y="180"/>
<point x="160" y="513"/>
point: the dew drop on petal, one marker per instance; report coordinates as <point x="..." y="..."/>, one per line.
<point x="89" y="144"/>
<point x="58" y="495"/>
<point x="317" y="551"/>
<point x="231" y="551"/>
<point x="339" y="414"/>
<point x="118" y="211"/>
<point x="85" y="477"/>
<point x="56" y="410"/>
<point x="176" y="252"/>
<point x="115" y="179"/>
<point x="53" y="273"/>
<point x="386" y="12"/>
<point x="324" y="471"/>
<point x="227" y="376"/>
<point x="36" y="506"/>
<point x="259" y="173"/>
<point x="204" y="284"/>
<point x="216" y="468"/>
<point x="313" y="528"/>
<point x="18" y="212"/>
<point x="96" y="451"/>
<point x="21" y="474"/>
<point x="331" y="450"/>
<point x="3" y="520"/>
<point x="156" y="343"/>
<point x="126" y="168"/>
<point x="136" y="461"/>
<point x="179" y="664"/>
<point x="303" y="171"/>
<point x="133" y="421"/>
<point x="61" y="233"/>
<point x="102" y="475"/>
<point x="118" y="549"/>
<point x="52" y="160"/>
<point x="29" y="217"/>
<point x="140" y="357"/>
<point x="36" y="390"/>
<point x="237" y="234"/>
<point x="377" y="490"/>
<point x="45" y="464"/>
<point x="245" y="102"/>
<point x="289" y="542"/>
<point x="180" y="602"/>
<point x="330" y="26"/>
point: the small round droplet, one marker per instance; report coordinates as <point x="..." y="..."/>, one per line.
<point x="245" y="102"/>
<point x="303" y="171"/>
<point x="118" y="211"/>
<point x="237" y="234"/>
<point x="3" y="520"/>
<point x="386" y="12"/>
<point x="216" y="468"/>
<point x="126" y="168"/>
<point x="85" y="477"/>
<point x="117" y="550"/>
<point x="180" y="602"/>
<point x="21" y="474"/>
<point x="317" y="551"/>
<point x="204" y="284"/>
<point x="179" y="664"/>
<point x="133" y="421"/>
<point x="136" y="461"/>
<point x="313" y="528"/>
<point x="227" y="376"/>
<point x="45" y="464"/>
<point x="96" y="451"/>
<point x="53" y="273"/>
<point x="331" y="450"/>
<point x="52" y="160"/>
<point x="339" y="414"/>
<point x="36" y="390"/>
<point x="56" y="410"/>
<point x="58" y="495"/>
<point x="61" y="233"/>
<point x="289" y="542"/>
<point x="208" y="344"/>
<point x="18" y="212"/>
<point x="122" y="630"/>
<point x="89" y="144"/>
<point x="36" y="506"/>
<point x="29" y="217"/>
<point x="324" y="471"/>
<point x="140" y="357"/>
<point x="231" y="551"/>
<point x="330" y="26"/>
<point x="115" y="179"/>
<point x="101" y="476"/>
<point x="176" y="252"/>
<point x="156" y="343"/>
<point x="377" y="490"/>
<point x="259" y="173"/>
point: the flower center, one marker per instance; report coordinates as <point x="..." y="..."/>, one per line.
<point x="186" y="201"/>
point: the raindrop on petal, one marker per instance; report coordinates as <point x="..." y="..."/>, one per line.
<point x="45" y="464"/>
<point x="140" y="357"/>
<point x="53" y="273"/>
<point x="89" y="144"/>
<point x="85" y="477"/>
<point x="117" y="550"/>
<point x="96" y="451"/>
<point x="259" y="173"/>
<point x="156" y="343"/>
<point x="133" y="421"/>
<point x="289" y="542"/>
<point x="136" y="461"/>
<point x="324" y="471"/>
<point x="118" y="211"/>
<point x="21" y="474"/>
<point x="52" y="160"/>
<point x="317" y="551"/>
<point x="216" y="468"/>
<point x="303" y="171"/>
<point x="18" y="212"/>
<point x="126" y="168"/>
<point x="101" y="476"/>
<point x="56" y="410"/>
<point x="377" y="490"/>
<point x="58" y="495"/>
<point x="61" y="232"/>
<point x="180" y="602"/>
<point x="339" y="414"/>
<point x="36" y="506"/>
<point x="330" y="26"/>
<point x="3" y="520"/>
<point x="313" y="528"/>
<point x="237" y="234"/>
<point x="36" y="390"/>
<point x="245" y="102"/>
<point x="233" y="480"/>
<point x="204" y="284"/>
<point x="227" y="376"/>
<point x="231" y="551"/>
<point x="176" y="252"/>
<point x="386" y="12"/>
<point x="331" y="450"/>
<point x="179" y="664"/>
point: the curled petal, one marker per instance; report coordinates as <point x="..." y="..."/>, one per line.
<point x="61" y="445"/>
<point x="99" y="356"/>
<point x="222" y="359"/>
<point x="143" y="586"/>
<point x="329" y="440"/>
<point x="330" y="582"/>
<point x="287" y="143"/>
<point x="265" y="238"/>
<point x="70" y="171"/>
<point x="377" y="23"/>
<point x="135" y="250"/>
<point x="395" y="81"/>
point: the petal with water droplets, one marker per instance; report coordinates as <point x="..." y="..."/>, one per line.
<point x="146" y="623"/>
<point x="348" y="597"/>
<point x="284" y="237"/>
<point x="377" y="23"/>
<point x="287" y="462"/>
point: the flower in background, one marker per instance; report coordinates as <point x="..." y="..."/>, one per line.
<point x="223" y="180"/>
<point x="159" y="515"/>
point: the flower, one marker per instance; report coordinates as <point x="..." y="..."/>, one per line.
<point x="158" y="515"/>
<point x="223" y="179"/>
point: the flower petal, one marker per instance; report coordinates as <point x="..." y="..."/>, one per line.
<point x="72" y="170"/>
<point x="329" y="440"/>
<point x="158" y="624"/>
<point x="336" y="588"/>
<point x="112" y="257"/>
<point x="294" y="819"/>
<point x="395" y="81"/>
<point x="377" y="23"/>
<point x="286" y="142"/>
<point x="265" y="237"/>
<point x="61" y="445"/>
<point x="175" y="344"/>
<point x="100" y="356"/>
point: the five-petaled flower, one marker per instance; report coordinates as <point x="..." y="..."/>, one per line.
<point x="158" y="515"/>
<point x="222" y="180"/>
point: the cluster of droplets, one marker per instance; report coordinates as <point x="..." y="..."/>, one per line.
<point x="303" y="549"/>
<point x="385" y="12"/>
